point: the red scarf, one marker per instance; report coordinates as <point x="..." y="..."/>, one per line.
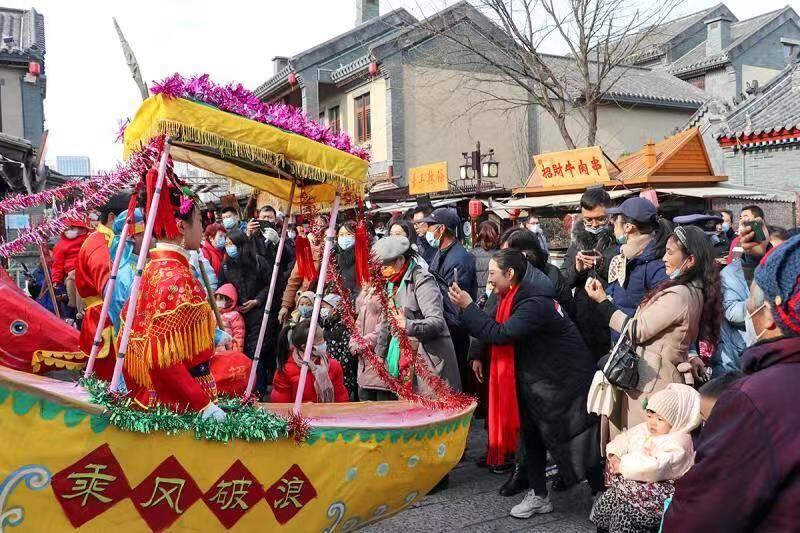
<point x="503" y="408"/>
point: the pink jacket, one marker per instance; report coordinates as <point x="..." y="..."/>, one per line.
<point x="368" y="322"/>
<point x="233" y="320"/>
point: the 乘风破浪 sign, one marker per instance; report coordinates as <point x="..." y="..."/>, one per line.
<point x="582" y="166"/>
<point x="428" y="178"/>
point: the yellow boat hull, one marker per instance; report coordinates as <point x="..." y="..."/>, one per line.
<point x="62" y="466"/>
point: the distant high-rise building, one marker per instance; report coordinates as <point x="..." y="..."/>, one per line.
<point x="74" y="165"/>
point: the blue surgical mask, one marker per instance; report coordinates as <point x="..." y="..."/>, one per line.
<point x="677" y="272"/>
<point x="219" y="243"/>
<point x="232" y="251"/>
<point x="622" y="239"/>
<point x="320" y="349"/>
<point x="229" y="223"/>
<point x="305" y="311"/>
<point x="346" y="241"/>
<point x="726" y="227"/>
<point x="432" y="240"/>
<point x="596" y="231"/>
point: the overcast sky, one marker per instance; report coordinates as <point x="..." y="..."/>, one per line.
<point x="89" y="89"/>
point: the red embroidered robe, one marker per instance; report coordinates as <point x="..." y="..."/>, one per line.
<point x="172" y="338"/>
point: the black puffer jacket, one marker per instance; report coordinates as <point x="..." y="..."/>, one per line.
<point x="553" y="371"/>
<point x="251" y="284"/>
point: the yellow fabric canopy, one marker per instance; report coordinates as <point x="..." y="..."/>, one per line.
<point x="262" y="156"/>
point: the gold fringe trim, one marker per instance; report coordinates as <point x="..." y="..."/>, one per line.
<point x="176" y="345"/>
<point x="256" y="154"/>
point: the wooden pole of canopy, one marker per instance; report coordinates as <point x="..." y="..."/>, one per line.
<point x="209" y="293"/>
<point x="273" y="282"/>
<point x="137" y="279"/>
<point x="108" y="295"/>
<point x="323" y="274"/>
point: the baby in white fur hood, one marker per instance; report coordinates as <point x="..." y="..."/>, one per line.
<point x="646" y="459"/>
<point x="661" y="448"/>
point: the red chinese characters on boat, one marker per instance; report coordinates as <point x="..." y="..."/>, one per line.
<point x="164" y="495"/>
<point x="91" y="486"/>
<point x="289" y="494"/>
<point x="233" y="494"/>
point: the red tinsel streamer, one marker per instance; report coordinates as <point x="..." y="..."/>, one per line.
<point x="362" y="253"/>
<point x="299" y="428"/>
<point x="444" y="397"/>
<point x="97" y="192"/>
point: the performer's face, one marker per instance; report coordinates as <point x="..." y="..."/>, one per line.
<point x="192" y="231"/>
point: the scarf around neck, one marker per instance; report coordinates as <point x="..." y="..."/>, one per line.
<point x="503" y="409"/>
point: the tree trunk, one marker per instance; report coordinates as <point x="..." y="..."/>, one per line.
<point x="561" y="122"/>
<point x="591" y="124"/>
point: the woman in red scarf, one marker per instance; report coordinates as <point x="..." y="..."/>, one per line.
<point x="213" y="246"/>
<point x="539" y="376"/>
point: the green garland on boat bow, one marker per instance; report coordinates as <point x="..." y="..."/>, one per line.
<point x="245" y="420"/>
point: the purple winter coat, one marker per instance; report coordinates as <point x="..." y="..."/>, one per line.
<point x="747" y="471"/>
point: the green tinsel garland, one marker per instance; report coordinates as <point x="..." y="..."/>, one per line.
<point x="245" y="420"/>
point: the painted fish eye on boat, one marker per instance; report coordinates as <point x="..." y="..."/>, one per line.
<point x="19" y="327"/>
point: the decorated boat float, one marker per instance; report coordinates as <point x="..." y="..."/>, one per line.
<point x="78" y="456"/>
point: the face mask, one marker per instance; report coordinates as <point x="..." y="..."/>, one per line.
<point x="305" y="311"/>
<point x="229" y="223"/>
<point x="219" y="243"/>
<point x="221" y="304"/>
<point x="622" y="239"/>
<point x="595" y="231"/>
<point x="535" y="228"/>
<point x="388" y="271"/>
<point x="291" y="234"/>
<point x="232" y="251"/>
<point x="346" y="241"/>
<point x="320" y="349"/>
<point x="70" y="234"/>
<point x="677" y="272"/>
<point x="94" y="217"/>
<point x="726" y="227"/>
<point x="750" y="336"/>
<point x="432" y="240"/>
<point x="324" y="313"/>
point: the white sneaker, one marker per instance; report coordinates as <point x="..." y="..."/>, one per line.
<point x="531" y="505"/>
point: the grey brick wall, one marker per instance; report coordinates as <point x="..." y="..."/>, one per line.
<point x="778" y="213"/>
<point x="775" y="167"/>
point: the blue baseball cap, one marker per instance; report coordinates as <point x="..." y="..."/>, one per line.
<point x="447" y="216"/>
<point x="636" y="208"/>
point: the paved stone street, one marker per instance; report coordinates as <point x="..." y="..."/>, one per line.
<point x="472" y="503"/>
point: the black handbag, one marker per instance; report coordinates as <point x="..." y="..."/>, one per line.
<point x="622" y="367"/>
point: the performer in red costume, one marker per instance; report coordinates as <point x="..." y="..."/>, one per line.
<point x="173" y="330"/>
<point x="92" y="270"/>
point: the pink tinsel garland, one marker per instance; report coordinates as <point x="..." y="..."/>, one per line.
<point x="234" y="98"/>
<point x="95" y="192"/>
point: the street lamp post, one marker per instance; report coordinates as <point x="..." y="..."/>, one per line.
<point x="478" y="165"/>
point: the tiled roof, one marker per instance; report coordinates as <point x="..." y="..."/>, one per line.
<point x="344" y="71"/>
<point x="652" y="45"/>
<point x="21" y="31"/>
<point x="696" y="59"/>
<point x="636" y="85"/>
<point x="635" y="166"/>
<point x="776" y="108"/>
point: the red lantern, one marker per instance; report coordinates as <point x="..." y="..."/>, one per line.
<point x="34" y="68"/>
<point x="373" y="68"/>
<point x="292" y="78"/>
<point x="513" y="214"/>
<point x="475" y="208"/>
